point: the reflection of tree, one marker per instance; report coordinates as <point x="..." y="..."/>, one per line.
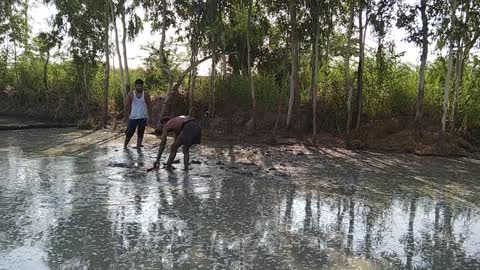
<point x="442" y="248"/>
<point x="351" y="226"/>
<point x="289" y="204"/>
<point x="308" y="212"/>
<point x="85" y="236"/>
<point x="368" y="232"/>
<point x="410" y="236"/>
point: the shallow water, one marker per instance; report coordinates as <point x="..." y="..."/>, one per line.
<point x="76" y="200"/>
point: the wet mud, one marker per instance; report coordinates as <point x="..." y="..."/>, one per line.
<point x="77" y="200"/>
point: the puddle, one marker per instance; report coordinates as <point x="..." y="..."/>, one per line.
<point x="93" y="206"/>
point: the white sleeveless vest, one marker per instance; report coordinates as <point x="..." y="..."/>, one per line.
<point x="139" y="107"/>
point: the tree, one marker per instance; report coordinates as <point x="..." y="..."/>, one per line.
<point x="152" y="9"/>
<point x="46" y="41"/>
<point x="250" y="76"/>
<point x="314" y="87"/>
<point x="192" y="13"/>
<point x="347" y="71"/>
<point x="467" y="35"/>
<point x="83" y="22"/>
<point x="381" y="19"/>
<point x="107" y="63"/>
<point x="408" y="19"/>
<point x="120" y="64"/>
<point x="294" y="62"/>
<point x="124" y="45"/>
<point x="364" y="5"/>
<point x="451" y="41"/>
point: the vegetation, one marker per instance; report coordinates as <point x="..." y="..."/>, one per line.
<point x="292" y="57"/>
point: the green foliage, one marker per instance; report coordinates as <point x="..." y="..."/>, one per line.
<point x="74" y="87"/>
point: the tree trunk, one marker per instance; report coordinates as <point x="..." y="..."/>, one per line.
<point x="224" y="57"/>
<point x="347" y="73"/>
<point x="45" y="80"/>
<point x="293" y="77"/>
<point x="315" y="75"/>
<point x="458" y="81"/>
<point x="107" y="68"/>
<point x="277" y="120"/>
<point x="421" y="82"/>
<point x="86" y="91"/>
<point x="211" y="109"/>
<point x="125" y="59"/>
<point x="191" y="83"/>
<point x="250" y="76"/>
<point x="17" y="80"/>
<point x="120" y="65"/>
<point x="361" y="63"/>
<point x="449" y="72"/>
<point x="163" y="63"/>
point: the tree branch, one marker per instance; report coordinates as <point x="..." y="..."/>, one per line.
<point x="188" y="70"/>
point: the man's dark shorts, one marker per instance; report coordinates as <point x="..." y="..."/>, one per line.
<point x="191" y="133"/>
<point x="132" y="125"/>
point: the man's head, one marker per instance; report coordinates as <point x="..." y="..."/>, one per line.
<point x="139" y="85"/>
<point x="162" y="123"/>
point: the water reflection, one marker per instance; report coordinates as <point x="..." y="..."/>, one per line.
<point x="73" y="211"/>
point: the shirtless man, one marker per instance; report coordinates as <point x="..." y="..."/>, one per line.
<point x="186" y="131"/>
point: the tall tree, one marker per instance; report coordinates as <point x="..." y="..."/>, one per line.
<point x="382" y="19"/>
<point x="124" y="45"/>
<point x="83" y="22"/>
<point x="107" y="63"/>
<point x="363" y="6"/>
<point x="46" y="42"/>
<point x="467" y="35"/>
<point x="314" y="87"/>
<point x="347" y="70"/>
<point x="453" y="9"/>
<point x="408" y="19"/>
<point x="192" y="13"/>
<point x="294" y="61"/>
<point x="166" y="21"/>
<point x="119" y="55"/>
<point x="250" y="76"/>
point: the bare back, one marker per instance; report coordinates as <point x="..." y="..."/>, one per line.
<point x="175" y="125"/>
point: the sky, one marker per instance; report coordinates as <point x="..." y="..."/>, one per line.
<point x="39" y="15"/>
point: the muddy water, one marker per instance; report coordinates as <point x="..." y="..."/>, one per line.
<point x="76" y="200"/>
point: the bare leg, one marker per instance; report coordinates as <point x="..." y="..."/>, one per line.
<point x="139" y="143"/>
<point x="131" y="126"/>
<point x="186" y="157"/>
<point x="127" y="140"/>
<point x="142" y="123"/>
<point x="173" y="152"/>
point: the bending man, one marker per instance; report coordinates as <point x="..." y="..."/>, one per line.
<point x="186" y="131"/>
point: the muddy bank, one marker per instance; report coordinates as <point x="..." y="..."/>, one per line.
<point x="16" y="122"/>
<point x="381" y="136"/>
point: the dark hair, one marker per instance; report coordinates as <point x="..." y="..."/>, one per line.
<point x="164" y="120"/>
<point x="139" y="81"/>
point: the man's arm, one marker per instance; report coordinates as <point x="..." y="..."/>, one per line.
<point x="128" y="106"/>
<point x="163" y="142"/>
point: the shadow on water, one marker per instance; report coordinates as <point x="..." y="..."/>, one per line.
<point x="91" y="206"/>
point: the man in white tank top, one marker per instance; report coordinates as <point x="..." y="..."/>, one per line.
<point x="139" y="112"/>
